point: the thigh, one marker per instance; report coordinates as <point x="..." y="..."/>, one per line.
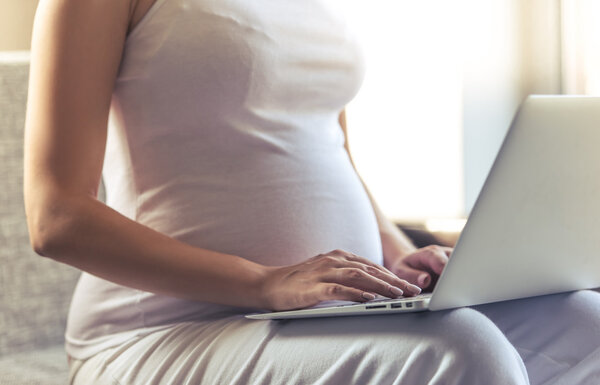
<point x="558" y="336"/>
<point x="453" y="347"/>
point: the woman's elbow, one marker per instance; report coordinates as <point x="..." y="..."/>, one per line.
<point x="42" y="242"/>
<point x="50" y="227"/>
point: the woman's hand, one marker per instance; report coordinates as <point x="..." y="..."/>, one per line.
<point x="337" y="275"/>
<point x="423" y="266"/>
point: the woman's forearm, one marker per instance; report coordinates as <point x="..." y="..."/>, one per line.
<point x="85" y="233"/>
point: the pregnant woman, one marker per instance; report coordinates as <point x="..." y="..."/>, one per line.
<point x="218" y="127"/>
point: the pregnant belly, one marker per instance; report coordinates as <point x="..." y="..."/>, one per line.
<point x="276" y="216"/>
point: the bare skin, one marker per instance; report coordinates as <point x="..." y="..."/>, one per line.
<point x="76" y="51"/>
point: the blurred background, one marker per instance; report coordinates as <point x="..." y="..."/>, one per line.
<point x="443" y="83"/>
<point x="16" y="20"/>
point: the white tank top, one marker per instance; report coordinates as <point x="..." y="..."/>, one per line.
<point x="224" y="134"/>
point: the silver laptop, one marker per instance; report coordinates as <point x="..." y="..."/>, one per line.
<point x="535" y="228"/>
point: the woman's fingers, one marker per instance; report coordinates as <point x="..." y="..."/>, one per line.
<point x="423" y="266"/>
<point x="432" y="258"/>
<point x="418" y="277"/>
<point x="401" y="282"/>
<point x="340" y="259"/>
<point x="359" y="279"/>
<point x="356" y="258"/>
<point x="335" y="291"/>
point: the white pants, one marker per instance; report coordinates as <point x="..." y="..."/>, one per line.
<point x="545" y="340"/>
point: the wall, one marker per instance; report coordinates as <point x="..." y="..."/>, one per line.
<point x="16" y="21"/>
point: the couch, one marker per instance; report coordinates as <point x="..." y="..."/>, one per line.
<point x="34" y="291"/>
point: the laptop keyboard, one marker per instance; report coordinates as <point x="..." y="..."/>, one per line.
<point x="384" y="299"/>
<point x="380" y="302"/>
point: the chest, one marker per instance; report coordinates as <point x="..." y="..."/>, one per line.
<point x="288" y="55"/>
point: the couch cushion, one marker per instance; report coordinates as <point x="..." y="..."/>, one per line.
<point x="40" y="367"/>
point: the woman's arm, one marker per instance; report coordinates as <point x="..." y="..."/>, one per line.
<point x="76" y="52"/>
<point x="418" y="266"/>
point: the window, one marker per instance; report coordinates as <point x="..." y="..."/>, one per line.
<point x="444" y="80"/>
<point x="405" y="125"/>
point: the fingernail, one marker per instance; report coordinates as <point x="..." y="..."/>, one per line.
<point x="368" y="296"/>
<point x="396" y="291"/>
<point x="423" y="280"/>
<point x="414" y="288"/>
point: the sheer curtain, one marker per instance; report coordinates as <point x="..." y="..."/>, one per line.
<point x="444" y="80"/>
<point x="581" y="46"/>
